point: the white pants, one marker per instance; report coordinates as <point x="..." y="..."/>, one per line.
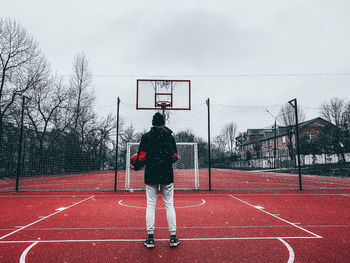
<point x="167" y="192"/>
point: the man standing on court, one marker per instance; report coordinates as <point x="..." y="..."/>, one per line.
<point x="157" y="151"/>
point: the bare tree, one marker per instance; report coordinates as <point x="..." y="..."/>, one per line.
<point x="337" y="111"/>
<point x="81" y="97"/>
<point x="346" y="128"/>
<point x="127" y="135"/>
<point x="105" y="127"/>
<point x="185" y="136"/>
<point x="220" y="143"/>
<point x="230" y="131"/>
<point x="346" y="117"/>
<point x="46" y="99"/>
<point x="333" y="110"/>
<point x="61" y="117"/>
<point x="21" y="65"/>
<point x="287" y="115"/>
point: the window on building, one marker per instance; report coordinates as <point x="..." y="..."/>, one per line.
<point x="310" y="136"/>
<point x="284" y="152"/>
<point x="284" y="139"/>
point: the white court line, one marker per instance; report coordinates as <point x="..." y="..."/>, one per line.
<point x="317" y="236"/>
<point x="165" y="227"/>
<point x="290" y="250"/>
<point x="137" y="228"/>
<point x="190" y="206"/>
<point x="44" y="218"/>
<point x="162" y="239"/>
<point x="25" y="252"/>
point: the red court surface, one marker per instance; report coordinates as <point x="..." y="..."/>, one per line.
<point x="221" y="179"/>
<point x="218" y="226"/>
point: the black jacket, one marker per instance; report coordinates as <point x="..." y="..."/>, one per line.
<point x="159" y="145"/>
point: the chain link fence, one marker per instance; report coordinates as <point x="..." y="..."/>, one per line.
<point x="236" y="147"/>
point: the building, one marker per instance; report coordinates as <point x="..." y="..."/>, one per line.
<point x="276" y="146"/>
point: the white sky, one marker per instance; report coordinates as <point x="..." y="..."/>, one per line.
<point x="210" y="42"/>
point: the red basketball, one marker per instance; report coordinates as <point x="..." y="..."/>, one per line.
<point x="133" y="159"/>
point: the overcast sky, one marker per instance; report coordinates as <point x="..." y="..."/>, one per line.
<point x="235" y="52"/>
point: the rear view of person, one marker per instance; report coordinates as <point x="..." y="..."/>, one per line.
<point x="157" y="151"/>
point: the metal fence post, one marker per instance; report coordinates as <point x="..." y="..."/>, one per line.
<point x="116" y="148"/>
<point x="209" y="148"/>
<point x="20" y="140"/>
<point x="295" y="106"/>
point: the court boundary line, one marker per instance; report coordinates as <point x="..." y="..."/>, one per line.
<point x="160" y="239"/>
<point x="279" y="218"/>
<point x="41" y="219"/>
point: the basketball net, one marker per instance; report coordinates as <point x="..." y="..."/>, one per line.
<point x="165" y="102"/>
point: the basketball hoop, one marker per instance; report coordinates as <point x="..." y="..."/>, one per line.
<point x="163" y="95"/>
<point x="153" y="94"/>
<point x="163" y="104"/>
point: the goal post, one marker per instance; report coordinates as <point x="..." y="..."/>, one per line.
<point x="186" y="173"/>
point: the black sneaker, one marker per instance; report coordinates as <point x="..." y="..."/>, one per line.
<point x="149" y="243"/>
<point x="174" y="242"/>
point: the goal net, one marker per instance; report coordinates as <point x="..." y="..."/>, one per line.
<point x="186" y="175"/>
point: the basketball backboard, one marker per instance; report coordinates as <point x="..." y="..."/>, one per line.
<point x="153" y="94"/>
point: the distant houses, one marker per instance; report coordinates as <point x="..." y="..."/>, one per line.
<point x="275" y="146"/>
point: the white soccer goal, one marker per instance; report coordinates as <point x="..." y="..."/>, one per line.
<point x="186" y="175"/>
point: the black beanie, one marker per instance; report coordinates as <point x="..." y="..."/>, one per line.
<point x="158" y="119"/>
